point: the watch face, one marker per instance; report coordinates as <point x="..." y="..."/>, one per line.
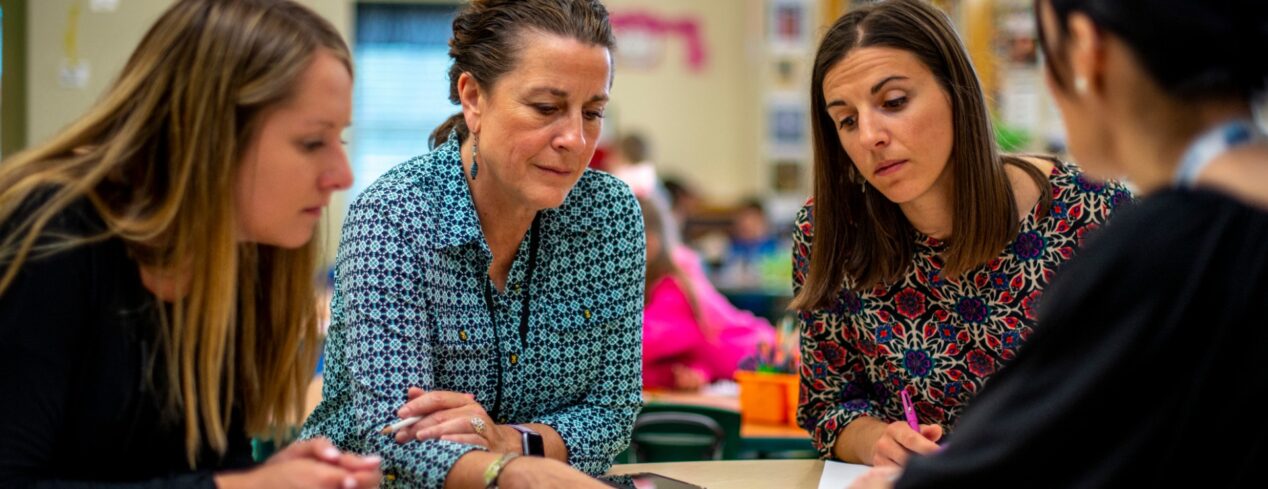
<point x="533" y="445"/>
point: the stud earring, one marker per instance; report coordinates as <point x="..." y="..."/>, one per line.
<point x="1080" y="85"/>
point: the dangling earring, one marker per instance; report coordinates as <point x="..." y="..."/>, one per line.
<point x="1080" y="85"/>
<point x="856" y="177"/>
<point x="475" y="150"/>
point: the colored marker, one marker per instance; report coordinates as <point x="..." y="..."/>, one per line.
<point x="909" y="411"/>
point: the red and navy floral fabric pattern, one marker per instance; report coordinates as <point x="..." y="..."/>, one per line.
<point x="940" y="339"/>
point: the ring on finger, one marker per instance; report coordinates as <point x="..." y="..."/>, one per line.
<point x="478" y="425"/>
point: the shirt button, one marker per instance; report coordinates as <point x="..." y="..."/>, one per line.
<point x="516" y="287"/>
<point x="515" y="359"/>
<point x="586" y="313"/>
<point x="462" y="335"/>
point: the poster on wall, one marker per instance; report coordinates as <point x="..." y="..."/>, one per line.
<point x="644" y="37"/>
<point x="789" y="73"/>
<point x="786" y="127"/>
<point x="72" y="71"/>
<point x="788" y="176"/>
<point x="788" y="25"/>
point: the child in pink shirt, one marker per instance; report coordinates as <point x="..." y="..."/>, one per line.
<point x="692" y="335"/>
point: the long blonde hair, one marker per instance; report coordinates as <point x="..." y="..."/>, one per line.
<point x="157" y="158"/>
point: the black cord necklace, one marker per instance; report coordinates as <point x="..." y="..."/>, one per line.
<point x="534" y="240"/>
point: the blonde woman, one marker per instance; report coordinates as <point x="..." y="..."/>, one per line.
<point x="157" y="261"/>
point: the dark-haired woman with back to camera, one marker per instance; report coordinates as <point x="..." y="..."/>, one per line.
<point x="488" y="294"/>
<point x="919" y="261"/>
<point x="1146" y="367"/>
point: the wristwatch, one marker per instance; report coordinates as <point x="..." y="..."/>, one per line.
<point x="532" y="441"/>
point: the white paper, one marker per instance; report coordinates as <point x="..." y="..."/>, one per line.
<point x="73" y="74"/>
<point x="839" y="475"/>
<point x="103" y="5"/>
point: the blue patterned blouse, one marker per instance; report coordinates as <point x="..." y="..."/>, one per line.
<point x="409" y="310"/>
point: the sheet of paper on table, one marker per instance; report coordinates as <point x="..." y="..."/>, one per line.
<point x="839" y="475"/>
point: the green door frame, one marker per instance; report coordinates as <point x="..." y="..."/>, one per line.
<point x="13" y="99"/>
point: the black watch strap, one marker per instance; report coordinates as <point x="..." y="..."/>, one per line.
<point x="531" y="440"/>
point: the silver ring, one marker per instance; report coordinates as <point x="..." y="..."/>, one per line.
<point x="478" y="425"/>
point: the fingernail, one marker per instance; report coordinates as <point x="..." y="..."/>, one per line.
<point x="402" y="413"/>
<point x="349" y="482"/>
<point x="373" y="459"/>
<point x="330" y="453"/>
<point x="470" y="395"/>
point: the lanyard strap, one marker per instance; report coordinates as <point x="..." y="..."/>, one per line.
<point x="534" y="241"/>
<point x="1209" y="146"/>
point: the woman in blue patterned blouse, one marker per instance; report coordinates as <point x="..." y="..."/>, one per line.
<point x="918" y="263"/>
<point x="493" y="287"/>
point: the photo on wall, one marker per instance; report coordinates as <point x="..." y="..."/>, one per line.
<point x="786" y="128"/>
<point x="788" y="25"/>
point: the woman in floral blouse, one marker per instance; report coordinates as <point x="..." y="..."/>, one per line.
<point x="919" y="261"/>
<point x="493" y="287"/>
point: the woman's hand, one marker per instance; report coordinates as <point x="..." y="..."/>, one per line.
<point x="452" y="416"/>
<point x="309" y="463"/>
<point x="540" y="472"/>
<point x="897" y="442"/>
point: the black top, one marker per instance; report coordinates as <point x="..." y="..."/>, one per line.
<point x="77" y="336"/>
<point x="1146" y="367"/>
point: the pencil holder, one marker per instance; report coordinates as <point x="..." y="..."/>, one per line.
<point x="764" y="396"/>
<point x="793" y="389"/>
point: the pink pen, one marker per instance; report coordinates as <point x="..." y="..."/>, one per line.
<point x="909" y="411"/>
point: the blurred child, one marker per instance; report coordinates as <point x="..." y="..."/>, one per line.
<point x="691" y="335"/>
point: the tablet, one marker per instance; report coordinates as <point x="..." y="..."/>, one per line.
<point x="646" y="480"/>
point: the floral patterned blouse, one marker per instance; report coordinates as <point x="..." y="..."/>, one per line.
<point x="938" y="339"/>
<point x="409" y="310"/>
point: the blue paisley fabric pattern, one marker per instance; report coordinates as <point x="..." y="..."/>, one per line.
<point x="940" y="339"/>
<point x="409" y="310"/>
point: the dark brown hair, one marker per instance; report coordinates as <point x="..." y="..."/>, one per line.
<point x="487" y="37"/>
<point x="863" y="236"/>
<point x="1207" y="62"/>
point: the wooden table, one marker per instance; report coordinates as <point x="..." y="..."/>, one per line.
<point x="736" y="474"/>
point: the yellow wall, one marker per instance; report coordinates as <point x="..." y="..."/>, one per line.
<point x="703" y="126"/>
<point x="104" y="39"/>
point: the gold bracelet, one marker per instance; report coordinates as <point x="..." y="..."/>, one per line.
<point x="494" y="469"/>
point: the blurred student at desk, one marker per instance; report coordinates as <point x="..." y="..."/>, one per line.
<point x="751" y="249"/>
<point x="691" y="335"/>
